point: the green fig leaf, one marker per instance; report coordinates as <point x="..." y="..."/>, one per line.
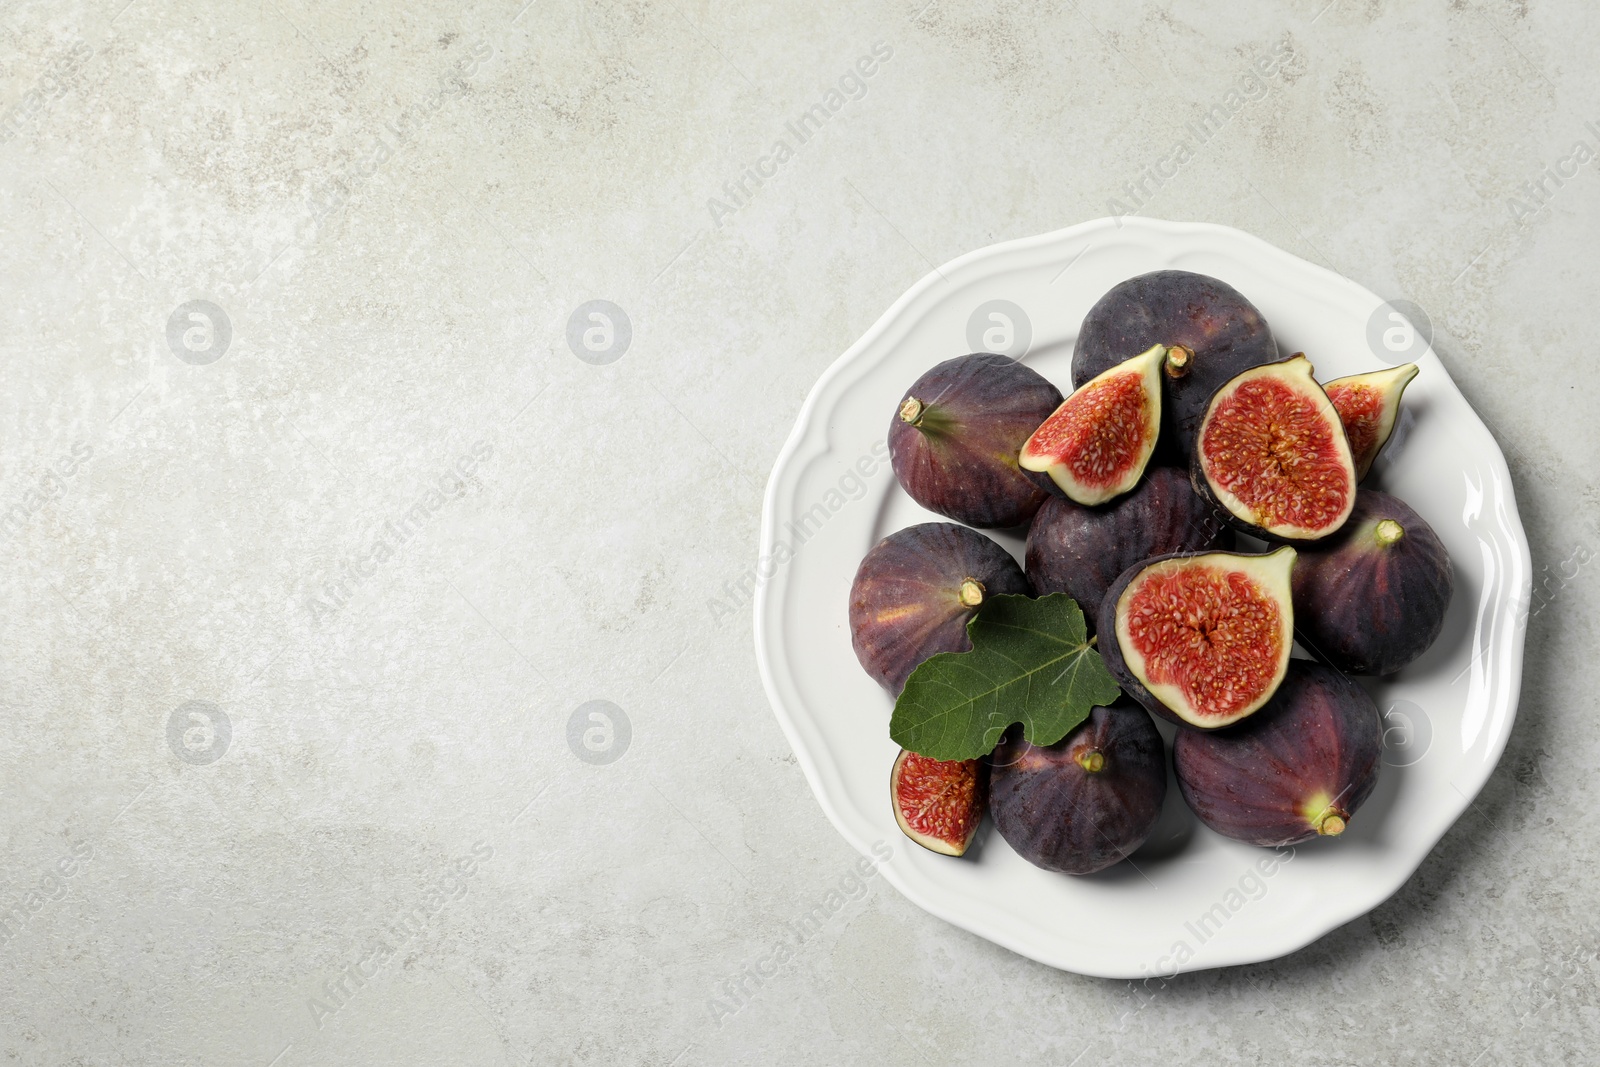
<point x="1031" y="662"/>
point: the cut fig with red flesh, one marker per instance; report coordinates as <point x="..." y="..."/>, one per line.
<point x="1273" y="453"/>
<point x="1372" y="598"/>
<point x="1096" y="444"/>
<point x="915" y="591"/>
<point x="1080" y="551"/>
<point x="1368" y="405"/>
<point x="954" y="439"/>
<point x="1298" y="769"/>
<point x="1089" y="800"/>
<point x="939" y="803"/>
<point x="1200" y="639"/>
<point x="1212" y="333"/>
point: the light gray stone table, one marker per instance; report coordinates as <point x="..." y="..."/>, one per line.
<point x="304" y="583"/>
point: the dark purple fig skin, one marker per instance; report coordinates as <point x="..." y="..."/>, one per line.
<point x="917" y="573"/>
<point x="1369" y="607"/>
<point x="1043" y="480"/>
<point x="1319" y="734"/>
<point x="1081" y="551"/>
<point x="1176" y="307"/>
<point x="1062" y="817"/>
<point x="958" y="456"/>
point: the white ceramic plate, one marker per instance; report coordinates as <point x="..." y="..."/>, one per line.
<point x="1190" y="899"/>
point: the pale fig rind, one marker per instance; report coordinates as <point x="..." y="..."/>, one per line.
<point x="1211" y="330"/>
<point x="1298" y="769"/>
<point x="939" y="804"/>
<point x="1089" y="800"/>
<point x="915" y="591"/>
<point x="1368" y="406"/>
<point x="1272" y="453"/>
<point x="1081" y="550"/>
<point x="1096" y="444"/>
<point x="1227" y="641"/>
<point x="1372" y="598"/>
<point x="955" y="435"/>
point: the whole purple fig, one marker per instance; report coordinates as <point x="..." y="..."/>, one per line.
<point x="915" y="591"/>
<point x="1297" y="769"/>
<point x="1372" y="598"/>
<point x="1212" y="332"/>
<point x="956" y="435"/>
<point x="1087" y="801"/>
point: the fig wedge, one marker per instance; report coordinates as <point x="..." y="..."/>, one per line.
<point x="939" y="803"/>
<point x="1201" y="639"/>
<point x="1368" y="405"/>
<point x="1273" y="453"/>
<point x="1096" y="444"/>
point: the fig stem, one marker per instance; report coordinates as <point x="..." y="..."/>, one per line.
<point x="1178" y="360"/>
<point x="1331" y="825"/>
<point x="971" y="592"/>
<point x="911" y="410"/>
<point x="1093" y="761"/>
<point x="1389" y="532"/>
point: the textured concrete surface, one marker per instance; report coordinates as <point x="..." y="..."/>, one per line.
<point x="308" y="587"/>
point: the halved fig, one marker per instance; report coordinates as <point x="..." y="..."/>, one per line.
<point x="1096" y="444"/>
<point x="1372" y="598"/>
<point x="1272" y="452"/>
<point x="1080" y="551"/>
<point x="1211" y="331"/>
<point x="1368" y="405"/>
<point x="1082" y="804"/>
<point x="955" y="436"/>
<point x="1200" y="639"/>
<point x="1298" y="769"/>
<point x="939" y="803"/>
<point x="915" y="591"/>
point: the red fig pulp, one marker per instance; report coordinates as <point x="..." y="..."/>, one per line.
<point x="1273" y="453"/>
<point x="1096" y="444"/>
<point x="1368" y="405"/>
<point x="1203" y="639"/>
<point x="937" y="803"/>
